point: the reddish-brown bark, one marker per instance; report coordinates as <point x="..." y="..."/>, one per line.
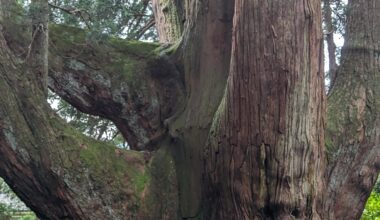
<point x="266" y="158"/>
<point x="250" y="147"/>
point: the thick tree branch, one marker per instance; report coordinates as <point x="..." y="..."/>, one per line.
<point x="205" y="51"/>
<point x="136" y="74"/>
<point x="274" y="173"/>
<point x="352" y="134"/>
<point x="49" y="165"/>
<point x="137" y="82"/>
<point x="129" y="83"/>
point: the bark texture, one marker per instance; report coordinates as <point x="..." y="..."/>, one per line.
<point x="169" y="17"/>
<point x="205" y="53"/>
<point x="265" y="159"/>
<point x="37" y="56"/>
<point x="352" y="134"/>
<point x="59" y="173"/>
<point x="227" y="116"/>
<point x="134" y="84"/>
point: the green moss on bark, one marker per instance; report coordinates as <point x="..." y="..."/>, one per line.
<point x="160" y="199"/>
<point x="123" y="60"/>
<point x="120" y="174"/>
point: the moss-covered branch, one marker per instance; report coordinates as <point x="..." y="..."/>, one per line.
<point x="62" y="174"/>
<point x="129" y="82"/>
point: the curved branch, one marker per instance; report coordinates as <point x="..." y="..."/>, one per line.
<point x="49" y="165"/>
<point x="205" y="51"/>
<point x="124" y="81"/>
<point x="352" y="134"/>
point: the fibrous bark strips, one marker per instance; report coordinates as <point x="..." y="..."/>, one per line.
<point x="231" y="107"/>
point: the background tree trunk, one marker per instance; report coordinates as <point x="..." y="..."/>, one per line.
<point x="38" y="50"/>
<point x="329" y="36"/>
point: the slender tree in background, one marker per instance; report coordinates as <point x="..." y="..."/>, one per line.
<point x="225" y="120"/>
<point x="329" y="37"/>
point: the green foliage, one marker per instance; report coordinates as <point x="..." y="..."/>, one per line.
<point x="13" y="202"/>
<point x="372" y="208"/>
<point x="28" y="217"/>
<point x="339" y="9"/>
<point x="4" y="212"/>
<point x="92" y="126"/>
<point x="131" y="19"/>
<point x="11" y="207"/>
<point x="4" y="188"/>
<point x="376" y="189"/>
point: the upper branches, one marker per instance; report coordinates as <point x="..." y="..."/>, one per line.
<point x="131" y="19"/>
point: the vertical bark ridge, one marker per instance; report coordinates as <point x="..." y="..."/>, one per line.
<point x="265" y="156"/>
<point x="169" y="18"/>
<point x="205" y="51"/>
<point x="38" y="49"/>
<point x="352" y="134"/>
<point x="16" y="166"/>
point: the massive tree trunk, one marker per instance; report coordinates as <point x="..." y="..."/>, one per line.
<point x="265" y="158"/>
<point x="225" y="120"/>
